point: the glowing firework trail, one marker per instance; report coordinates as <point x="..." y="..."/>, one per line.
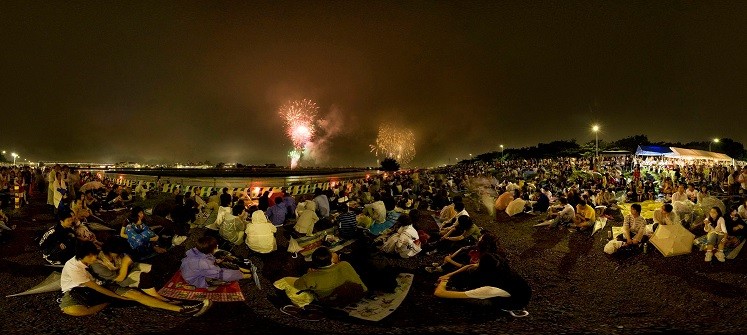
<point x="395" y="142"/>
<point x="295" y="156"/>
<point x="300" y="116"/>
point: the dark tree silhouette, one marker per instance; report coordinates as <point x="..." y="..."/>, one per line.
<point x="389" y="164"/>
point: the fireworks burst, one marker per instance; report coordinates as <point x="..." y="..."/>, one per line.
<point x="300" y="118"/>
<point x="295" y="156"/>
<point x="395" y="142"/>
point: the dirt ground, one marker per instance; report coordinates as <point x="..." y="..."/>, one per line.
<point x="576" y="289"/>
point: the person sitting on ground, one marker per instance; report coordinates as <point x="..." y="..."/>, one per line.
<point x="277" y="213"/>
<point x="691" y="192"/>
<point x="742" y="209"/>
<point x="290" y="205"/>
<point x="391" y="217"/>
<point x="327" y="274"/>
<point x="680" y="195"/>
<point x="702" y="194"/>
<point x="403" y="239"/>
<point x="542" y="202"/>
<point x="224" y="211"/>
<point x="460" y="210"/>
<point x="347" y="224"/>
<point x="585" y="216"/>
<point x="114" y="197"/>
<point x="141" y="190"/>
<point x="132" y="280"/>
<point x="560" y="215"/>
<point x="487" y="243"/>
<point x="307" y="218"/>
<point x="3" y="223"/>
<point x="490" y="281"/>
<point x="516" y="205"/>
<point x="82" y="296"/>
<point x="503" y="200"/>
<point x="200" y="270"/>
<point x="375" y="210"/>
<point x="715" y="227"/>
<point x="233" y="226"/>
<point x="603" y="198"/>
<point x="465" y="232"/>
<point x="665" y="216"/>
<point x="141" y="238"/>
<point x="263" y="202"/>
<point x="322" y="203"/>
<point x="58" y="243"/>
<point x="633" y="233"/>
<point x="91" y="202"/>
<point x="449" y="212"/>
<point x="260" y="233"/>
<point x="225" y="199"/>
<point x="736" y="226"/>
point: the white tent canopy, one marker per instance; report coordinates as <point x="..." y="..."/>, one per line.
<point x="698" y="154"/>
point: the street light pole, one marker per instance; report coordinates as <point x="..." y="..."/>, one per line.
<point x="715" y="140"/>
<point x="501" y="152"/>
<point x="595" y="128"/>
<point x="14" y="157"/>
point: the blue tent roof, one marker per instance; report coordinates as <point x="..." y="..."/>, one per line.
<point x="652" y="150"/>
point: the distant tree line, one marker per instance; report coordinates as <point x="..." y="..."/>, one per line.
<point x="570" y="148"/>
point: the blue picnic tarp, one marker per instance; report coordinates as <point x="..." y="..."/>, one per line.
<point x="653" y="150"/>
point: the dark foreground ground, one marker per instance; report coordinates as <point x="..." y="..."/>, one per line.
<point x="577" y="289"/>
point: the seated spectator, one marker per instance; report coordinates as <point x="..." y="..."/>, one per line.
<point x="199" y="267"/>
<point x="327" y="275"/>
<point x="132" y="280"/>
<point x="487" y="243"/>
<point x="290" y="205"/>
<point x="347" y="224"/>
<point x="82" y="296"/>
<point x="604" y="198"/>
<point x="560" y="215"/>
<point x="278" y="212"/>
<point x="490" y="281"/>
<point x="141" y="190"/>
<point x="465" y="232"/>
<point x="375" y="210"/>
<point x="114" y="198"/>
<point x="260" y="233"/>
<point x="585" y="216"/>
<point x="403" y="239"/>
<point x="742" y="210"/>
<point x="391" y="217"/>
<point x="58" y="243"/>
<point x="503" y="200"/>
<point x="736" y="226"/>
<point x="91" y="202"/>
<point x="692" y="193"/>
<point x="680" y="195"/>
<point x="460" y="210"/>
<point x="307" y="218"/>
<point x="542" y="202"/>
<point x="322" y="203"/>
<point x="516" y="205"/>
<point x="141" y="238"/>
<point x="634" y="232"/>
<point x="715" y="227"/>
<point x="665" y="216"/>
<point x="233" y="226"/>
<point x="3" y="223"/>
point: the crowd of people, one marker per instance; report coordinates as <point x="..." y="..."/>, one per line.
<point x="388" y="214"/>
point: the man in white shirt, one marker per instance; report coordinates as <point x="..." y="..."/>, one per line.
<point x="680" y="195"/>
<point x="559" y="215"/>
<point x="81" y="294"/>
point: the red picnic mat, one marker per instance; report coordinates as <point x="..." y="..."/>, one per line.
<point x="178" y="288"/>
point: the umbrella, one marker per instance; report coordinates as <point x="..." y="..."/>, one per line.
<point x="708" y="202"/>
<point x="672" y="240"/>
<point x="91" y="185"/>
<point x="50" y="284"/>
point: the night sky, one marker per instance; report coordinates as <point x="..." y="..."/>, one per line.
<point x="156" y="81"/>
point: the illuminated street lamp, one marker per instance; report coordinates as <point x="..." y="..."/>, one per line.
<point x="715" y="140"/>
<point x="595" y="129"/>
<point x="14" y="157"/>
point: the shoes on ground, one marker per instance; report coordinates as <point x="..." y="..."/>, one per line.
<point x="434" y="269"/>
<point x="720" y="256"/>
<point x="708" y="256"/>
<point x="177" y="240"/>
<point x="198" y="309"/>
